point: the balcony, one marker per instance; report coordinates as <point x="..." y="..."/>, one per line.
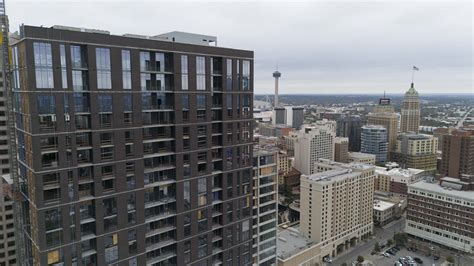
<point x="160" y="119"/>
<point x="158" y="147"/>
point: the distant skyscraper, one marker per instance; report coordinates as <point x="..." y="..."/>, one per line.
<point x="277" y="76"/>
<point x="133" y="150"/>
<point x="410" y="112"/>
<point x="313" y="142"/>
<point x="374" y="141"/>
<point x="349" y="126"/>
<point x="458" y="153"/>
<point x="341" y="150"/>
<point x="416" y="151"/>
<point x="384" y="115"/>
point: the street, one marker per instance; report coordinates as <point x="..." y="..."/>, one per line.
<point x="381" y="235"/>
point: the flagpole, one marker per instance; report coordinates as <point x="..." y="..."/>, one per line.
<point x="412" y="75"/>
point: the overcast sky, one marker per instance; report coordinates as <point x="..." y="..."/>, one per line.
<point x="320" y="47"/>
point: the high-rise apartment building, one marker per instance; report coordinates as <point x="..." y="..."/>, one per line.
<point x="336" y="205"/>
<point x="8" y="248"/>
<point x="410" y="115"/>
<point x="349" y="126"/>
<point x="384" y="115"/>
<point x="341" y="150"/>
<point x="374" y="141"/>
<point x="416" y="151"/>
<point x="265" y="211"/>
<point x="133" y="150"/>
<point x="458" y="153"/>
<point x="442" y="212"/>
<point x="8" y="255"/>
<point x="313" y="142"/>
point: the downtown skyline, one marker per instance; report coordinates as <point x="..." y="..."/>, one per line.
<point x="320" y="48"/>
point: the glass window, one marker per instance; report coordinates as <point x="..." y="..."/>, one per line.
<point x="229" y="74"/>
<point x="126" y="63"/>
<point x="126" y="70"/>
<point x="81" y="102"/>
<point x="187" y="194"/>
<point x="77" y="57"/>
<point x="79" y="80"/>
<point x="184" y="72"/>
<point x="200" y="82"/>
<point x="145" y="81"/>
<point x="200" y="73"/>
<point x="229" y="101"/>
<point x="62" y="52"/>
<point x="104" y="76"/>
<point x="246" y="75"/>
<point x="46" y="104"/>
<point x="52" y="219"/>
<point x="43" y="65"/>
<point x="184" y="64"/>
<point x="201" y="101"/>
<point x="184" y="82"/>
<point x="144" y="61"/>
<point x="105" y="103"/>
<point x="127" y="103"/>
<point x="185" y="99"/>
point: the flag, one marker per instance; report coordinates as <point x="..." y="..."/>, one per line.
<point x="415" y="68"/>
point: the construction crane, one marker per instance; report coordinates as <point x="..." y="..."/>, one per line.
<point x="18" y="199"/>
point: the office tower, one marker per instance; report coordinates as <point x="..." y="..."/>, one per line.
<point x="313" y="142"/>
<point x="292" y="116"/>
<point x="8" y="253"/>
<point x="265" y="211"/>
<point x="442" y="212"/>
<point x="416" y="151"/>
<point x="410" y="120"/>
<point x="277" y="76"/>
<point x="440" y="132"/>
<point x="396" y="180"/>
<point x="279" y="116"/>
<point x="336" y="204"/>
<point x="384" y="115"/>
<point x="458" y="153"/>
<point x="284" y="165"/>
<point x="126" y="144"/>
<point x="359" y="157"/>
<point x="341" y="150"/>
<point x="374" y="141"/>
<point x="349" y="126"/>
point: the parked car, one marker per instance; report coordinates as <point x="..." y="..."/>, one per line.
<point x="436" y="258"/>
<point x="386" y="255"/>
<point x="418" y="260"/>
<point x="327" y="259"/>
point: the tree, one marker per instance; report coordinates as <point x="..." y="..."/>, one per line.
<point x="400" y="239"/>
<point x="360" y="259"/>
<point x="377" y="247"/>
<point x="389" y="242"/>
<point x="450" y="259"/>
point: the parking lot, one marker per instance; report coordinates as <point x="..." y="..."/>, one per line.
<point x="381" y="260"/>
